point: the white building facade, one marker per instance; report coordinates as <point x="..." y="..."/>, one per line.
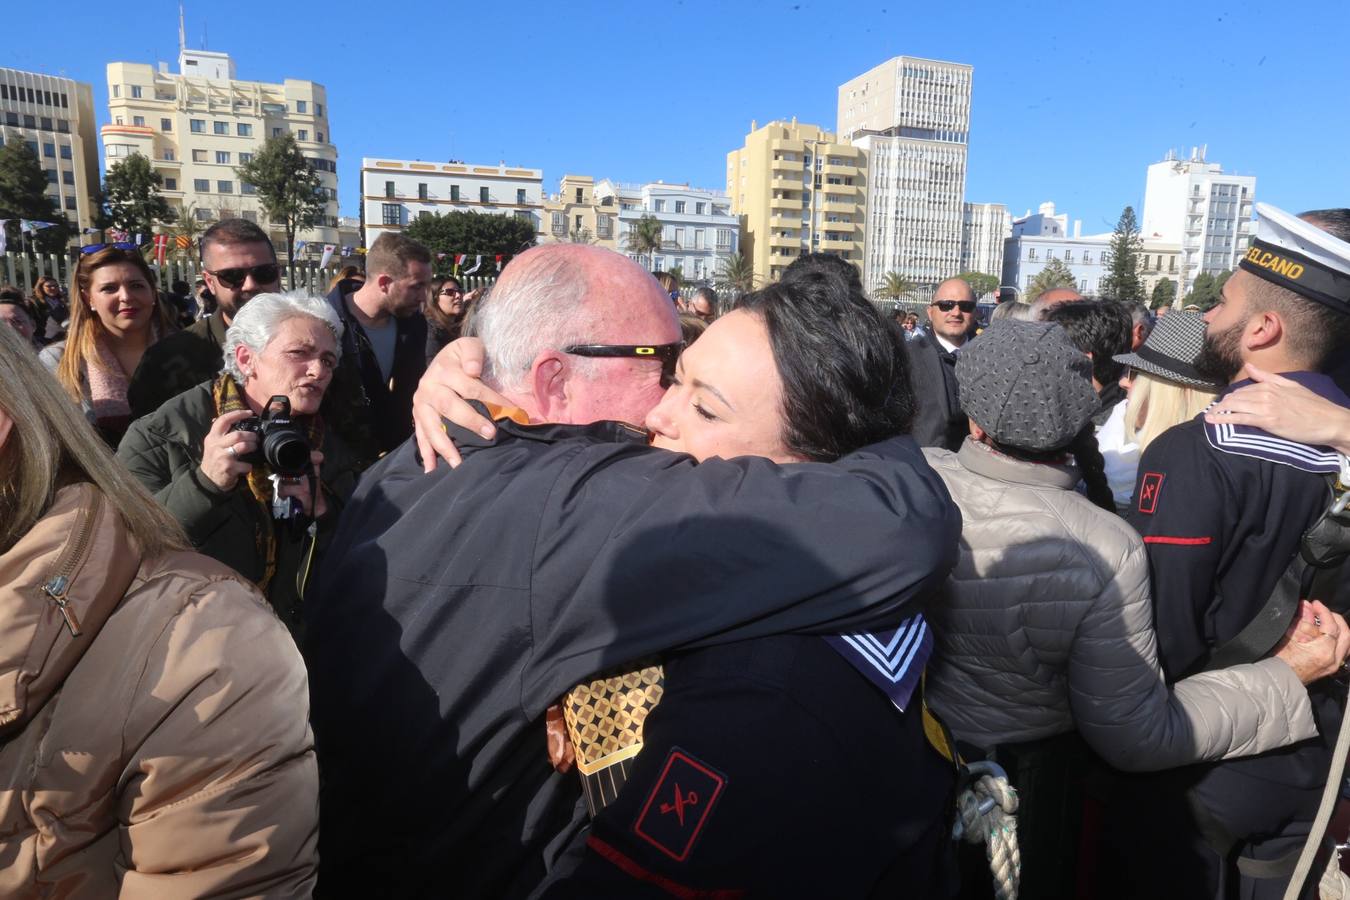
<point x="1206" y="211"/>
<point x="698" y="231"/>
<point x="196" y="127"/>
<point x="1044" y="236"/>
<point x="911" y="117"/>
<point x="395" y="193"/>
<point x="55" y="117"/>
<point x="984" y="228"/>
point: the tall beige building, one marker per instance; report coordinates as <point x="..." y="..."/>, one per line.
<point x="579" y="213"/>
<point x="796" y="190"/>
<point x="197" y="125"/>
<point x="55" y="117"/>
<point x="912" y="118"/>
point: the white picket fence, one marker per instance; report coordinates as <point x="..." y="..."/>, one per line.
<point x="23" y="269"/>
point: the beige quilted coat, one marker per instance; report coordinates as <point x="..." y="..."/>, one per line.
<point x="165" y="751"/>
<point x="1046" y="625"/>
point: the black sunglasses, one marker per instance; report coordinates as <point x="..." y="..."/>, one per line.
<point x="234" y="278"/>
<point x="94" y="248"/>
<point x="669" y="354"/>
<point x="967" y="306"/>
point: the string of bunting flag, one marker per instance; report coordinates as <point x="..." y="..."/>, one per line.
<point x="459" y="259"/>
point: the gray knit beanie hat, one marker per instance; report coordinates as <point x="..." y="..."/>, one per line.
<point x="1026" y="385"/>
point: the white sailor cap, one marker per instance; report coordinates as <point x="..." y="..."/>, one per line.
<point x="1301" y="257"/>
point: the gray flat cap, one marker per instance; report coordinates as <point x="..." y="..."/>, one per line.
<point x="1026" y="385"/>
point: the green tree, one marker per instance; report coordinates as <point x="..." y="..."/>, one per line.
<point x="1056" y="274"/>
<point x="474" y="234"/>
<point x="1164" y="292"/>
<point x="894" y="286"/>
<point x="1205" y="290"/>
<point x="736" y="274"/>
<point x="288" y="188"/>
<point x="645" y="237"/>
<point x="677" y="272"/>
<point x="23" y="195"/>
<point x="188" y="227"/>
<point x="131" y="198"/>
<point x="1123" y="260"/>
<point x="980" y="283"/>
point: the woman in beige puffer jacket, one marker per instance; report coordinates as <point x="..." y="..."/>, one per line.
<point x="153" y="710"/>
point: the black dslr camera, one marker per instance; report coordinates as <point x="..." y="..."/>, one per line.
<point x="282" y="443"/>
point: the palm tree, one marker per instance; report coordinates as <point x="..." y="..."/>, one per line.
<point x="894" y="286"/>
<point x="186" y="226"/>
<point x="736" y="275"/>
<point x="645" y="237"/>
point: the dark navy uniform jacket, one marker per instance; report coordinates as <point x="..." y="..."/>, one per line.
<point x="1221" y="525"/>
<point x="772" y="768"/>
<point x="454" y="608"/>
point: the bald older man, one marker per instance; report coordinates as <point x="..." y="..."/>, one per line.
<point x="458" y="605"/>
<point x="932" y="362"/>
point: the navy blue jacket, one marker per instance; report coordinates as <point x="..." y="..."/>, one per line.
<point x="455" y="607"/>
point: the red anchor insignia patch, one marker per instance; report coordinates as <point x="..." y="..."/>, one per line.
<point x="679" y="806"/>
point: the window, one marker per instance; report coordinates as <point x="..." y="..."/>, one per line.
<point x="49" y="150"/>
<point x="199" y="156"/>
<point x="723" y="238"/>
<point x="1068" y="256"/>
<point x="223" y="157"/>
<point x="559" y="223"/>
<point x="454" y="193"/>
<point x="389" y="189"/>
<point x="170" y="184"/>
<point x="201" y="185"/>
<point x="136" y="92"/>
<point x="679" y="235"/>
<point x="699" y="208"/>
<point x="318" y="109"/>
<point x="580" y="195"/>
<point x="698" y="238"/>
<point x="220" y="127"/>
<point x="520" y="195"/>
<point x="204" y="215"/>
<point x="197" y="126"/>
<point x="276" y="132"/>
<point x="421" y="190"/>
<point x="577" y="225"/>
<point x="302" y="106"/>
<point x="319" y="137"/>
<point x="604" y="226"/>
<point x="51" y="176"/>
<point x="243" y="130"/>
<point x="304" y="134"/>
<point x="30" y="122"/>
<point x="246" y="188"/>
<point x="1031" y="253"/>
<point x="117" y="90"/>
<point x="679" y="206"/>
<point x="424" y="214"/>
<point x="12" y="118"/>
<point x="1087" y="258"/>
<point x="67" y="177"/>
<point x="524" y="215"/>
<point x="245" y="158"/>
<point x="483" y="195"/>
<point x="659" y="205"/>
<point x="390" y="213"/>
<point x="63" y="125"/>
<point x="70" y="203"/>
<point x="46" y="123"/>
<point x="65" y="151"/>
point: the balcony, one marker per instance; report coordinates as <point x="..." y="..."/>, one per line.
<point x="844" y="170"/>
<point x="837" y="207"/>
<point x="785" y="184"/>
<point x="785" y="203"/>
<point x="837" y="245"/>
<point x="779" y="240"/>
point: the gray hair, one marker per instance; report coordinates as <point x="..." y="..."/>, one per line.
<point x="257" y="322"/>
<point x="540" y="309"/>
<point x="1013" y="309"/>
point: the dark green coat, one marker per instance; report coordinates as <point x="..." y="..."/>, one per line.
<point x="164" y="452"/>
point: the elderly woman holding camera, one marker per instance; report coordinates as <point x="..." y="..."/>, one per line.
<point x="238" y="460"/>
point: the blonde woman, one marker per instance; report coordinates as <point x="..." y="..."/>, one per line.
<point x="153" y="711"/>
<point x="1164" y="389"/>
<point x="115" y="318"/>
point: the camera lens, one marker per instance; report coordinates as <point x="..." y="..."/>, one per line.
<point x="286" y="451"/>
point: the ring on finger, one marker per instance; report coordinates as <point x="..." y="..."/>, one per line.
<point x="234" y="451"/>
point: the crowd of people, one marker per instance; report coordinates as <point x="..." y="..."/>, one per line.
<point x="585" y="584"/>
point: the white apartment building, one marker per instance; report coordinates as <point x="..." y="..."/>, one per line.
<point x="198" y="125"/>
<point x="396" y="192"/>
<point x="911" y="117"/>
<point x="55" y="117"/>
<point x="1206" y="211"/>
<point x="698" y="230"/>
<point x="1038" y="238"/>
<point x="984" y="228"/>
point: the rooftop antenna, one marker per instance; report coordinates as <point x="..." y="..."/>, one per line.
<point x="182" y="34"/>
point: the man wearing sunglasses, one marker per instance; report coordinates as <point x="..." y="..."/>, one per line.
<point x="932" y="360"/>
<point x="238" y="263"/>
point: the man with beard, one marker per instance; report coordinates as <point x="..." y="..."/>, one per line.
<point x="238" y="263"/>
<point x="1222" y="509"/>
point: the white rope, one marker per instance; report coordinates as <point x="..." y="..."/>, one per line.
<point x="1334" y="884"/>
<point x="986" y="813"/>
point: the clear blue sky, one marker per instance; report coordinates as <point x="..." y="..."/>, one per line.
<point x="1072" y="100"/>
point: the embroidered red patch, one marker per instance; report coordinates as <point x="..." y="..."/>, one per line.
<point x="1149" y="489"/>
<point x="680" y="804"/>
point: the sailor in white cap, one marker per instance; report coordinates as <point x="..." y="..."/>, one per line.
<point x="1222" y="509"/>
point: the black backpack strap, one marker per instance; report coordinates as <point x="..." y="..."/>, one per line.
<point x="1314" y="572"/>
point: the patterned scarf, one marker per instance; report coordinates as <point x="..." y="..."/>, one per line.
<point x="229" y="398"/>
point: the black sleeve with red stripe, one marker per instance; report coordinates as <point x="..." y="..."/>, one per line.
<point x="1180" y="505"/>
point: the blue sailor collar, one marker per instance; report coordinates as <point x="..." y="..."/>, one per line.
<point x="892" y="660"/>
<point x="1245" y="440"/>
